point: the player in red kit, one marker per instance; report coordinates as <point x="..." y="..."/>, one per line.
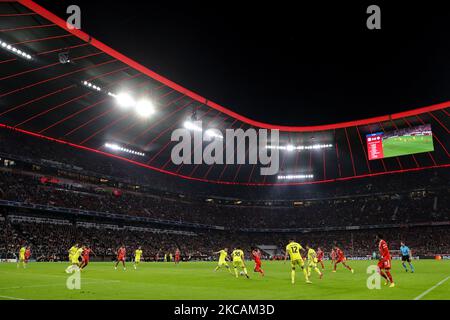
<point x="27" y="254"/>
<point x="121" y="257"/>
<point x="333" y="256"/>
<point x="341" y="259"/>
<point x="85" y="257"/>
<point x="320" y="255"/>
<point x="177" y="256"/>
<point x="256" y="254"/>
<point x="384" y="264"/>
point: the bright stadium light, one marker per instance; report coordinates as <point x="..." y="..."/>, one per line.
<point x="296" y="177"/>
<point x="116" y="147"/>
<point x="291" y="148"/>
<point x="90" y="85"/>
<point x="14" y="50"/>
<point x="112" y="146"/>
<point x="145" y="108"/>
<point x="316" y="146"/>
<point x="125" y="100"/>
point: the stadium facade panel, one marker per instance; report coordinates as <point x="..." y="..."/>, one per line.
<point x="74" y="103"/>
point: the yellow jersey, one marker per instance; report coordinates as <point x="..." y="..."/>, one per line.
<point x="72" y="251"/>
<point x="77" y="255"/>
<point x="223" y="255"/>
<point x="293" y="249"/>
<point x="22" y="252"/>
<point x="138" y="254"/>
<point x="237" y="255"/>
<point x="312" y="255"/>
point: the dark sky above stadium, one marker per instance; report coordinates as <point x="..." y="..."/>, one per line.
<point x="313" y="63"/>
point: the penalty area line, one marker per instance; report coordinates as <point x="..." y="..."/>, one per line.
<point x="431" y="289"/>
<point x="11" y="298"/>
<point x="58" y="284"/>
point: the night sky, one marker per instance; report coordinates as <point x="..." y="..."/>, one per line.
<point x="314" y="63"/>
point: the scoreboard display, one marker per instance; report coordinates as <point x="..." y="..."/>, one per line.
<point x="375" y="145"/>
<point x="400" y="142"/>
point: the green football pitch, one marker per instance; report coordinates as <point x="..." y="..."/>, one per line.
<point x="398" y="146"/>
<point x="196" y="280"/>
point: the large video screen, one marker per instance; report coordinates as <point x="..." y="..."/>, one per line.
<point x="400" y="142"/>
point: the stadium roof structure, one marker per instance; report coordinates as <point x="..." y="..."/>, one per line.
<point x="74" y="103"/>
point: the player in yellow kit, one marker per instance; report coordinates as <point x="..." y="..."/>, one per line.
<point x="72" y="251"/>
<point x="137" y="257"/>
<point x="293" y="249"/>
<point x="75" y="260"/>
<point x="22" y="257"/>
<point x="238" y="261"/>
<point x="312" y="261"/>
<point x="223" y="257"/>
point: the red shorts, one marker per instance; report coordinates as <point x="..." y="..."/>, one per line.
<point x="384" y="263"/>
<point x="257" y="266"/>
<point x="121" y="259"/>
<point x="177" y="258"/>
<point x="341" y="260"/>
<point x="86" y="260"/>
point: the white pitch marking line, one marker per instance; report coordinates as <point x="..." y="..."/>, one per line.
<point x="431" y="289"/>
<point x="54" y="275"/>
<point x="57" y="284"/>
<point x="11" y="298"/>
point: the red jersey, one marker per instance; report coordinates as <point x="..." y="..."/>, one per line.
<point x="27" y="254"/>
<point x="340" y="254"/>
<point x="86" y="253"/>
<point x="320" y="254"/>
<point x="384" y="250"/>
<point x="256" y="256"/>
<point x="121" y="253"/>
<point x="177" y="253"/>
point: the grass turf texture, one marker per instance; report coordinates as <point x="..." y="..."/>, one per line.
<point x="196" y="280"/>
<point x="399" y="146"/>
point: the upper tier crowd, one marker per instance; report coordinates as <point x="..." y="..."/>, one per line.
<point x="410" y="207"/>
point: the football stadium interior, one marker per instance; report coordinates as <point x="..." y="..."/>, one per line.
<point x="86" y="157"/>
